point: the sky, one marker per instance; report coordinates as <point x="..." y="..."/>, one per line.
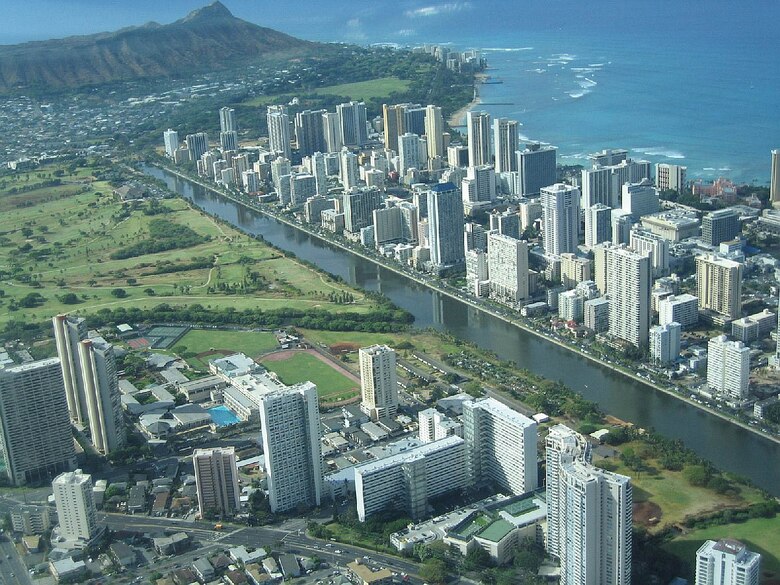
<point x="363" y="20"/>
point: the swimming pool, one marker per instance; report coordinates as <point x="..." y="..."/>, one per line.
<point x="223" y="416"/>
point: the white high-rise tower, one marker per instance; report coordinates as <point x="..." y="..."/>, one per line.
<point x="505" y="144"/>
<point x="478" y="124"/>
<point x="378" y="381"/>
<point x="561" y="213"/>
<point x="279" y="131"/>
<point x="75" y="506"/>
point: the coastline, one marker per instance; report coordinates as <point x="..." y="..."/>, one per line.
<point x="419" y="279"/>
<point x="458" y="118"/>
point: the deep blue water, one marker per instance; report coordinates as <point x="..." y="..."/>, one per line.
<point x="693" y="83"/>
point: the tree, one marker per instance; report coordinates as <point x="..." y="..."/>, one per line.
<point x="772" y="413"/>
<point x="697" y="475"/>
<point x="69" y="299"/>
<point x="434" y="571"/>
<point x="119" y="293"/>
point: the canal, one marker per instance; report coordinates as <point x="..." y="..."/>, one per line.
<point x="730" y="447"/>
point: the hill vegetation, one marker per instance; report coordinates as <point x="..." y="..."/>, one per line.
<point x="208" y="38"/>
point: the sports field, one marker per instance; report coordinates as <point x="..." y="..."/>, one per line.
<point x="332" y="384"/>
<point x="251" y="343"/>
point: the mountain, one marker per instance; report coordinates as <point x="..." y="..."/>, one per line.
<point x="207" y="38"/>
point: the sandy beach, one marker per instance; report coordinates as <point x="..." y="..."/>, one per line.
<point x="459" y="117"/>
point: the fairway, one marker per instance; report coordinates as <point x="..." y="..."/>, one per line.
<point x="332" y="385"/>
<point x="366" y="90"/>
<point x="251" y="343"/>
<point x="761" y="535"/>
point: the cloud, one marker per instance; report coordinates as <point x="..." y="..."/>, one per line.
<point x="406" y="32"/>
<point x="438" y="9"/>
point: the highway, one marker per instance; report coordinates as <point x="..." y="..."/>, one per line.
<point x="13" y="571"/>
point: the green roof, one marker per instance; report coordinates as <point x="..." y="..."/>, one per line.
<point x="497" y="530"/>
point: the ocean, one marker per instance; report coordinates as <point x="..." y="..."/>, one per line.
<point x="695" y="83"/>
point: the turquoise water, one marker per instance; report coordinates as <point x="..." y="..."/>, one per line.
<point x="693" y="83"/>
<point x="223" y="416"/>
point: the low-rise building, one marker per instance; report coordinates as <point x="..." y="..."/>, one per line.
<point x="361" y="574"/>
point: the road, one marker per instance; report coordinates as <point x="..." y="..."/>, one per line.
<point x="291" y="534"/>
<point x="13" y="571"/>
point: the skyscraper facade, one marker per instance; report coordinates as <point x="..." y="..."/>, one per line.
<point x="561" y="213"/>
<point x="290" y="421"/>
<point x="719" y="285"/>
<point x="227" y="120"/>
<point x="434" y="132"/>
<point x="445" y="225"/>
<point x="501" y="446"/>
<point x="68" y="333"/>
<point x="670" y="177"/>
<point x="101" y="393"/>
<point x="279" y="131"/>
<point x="727" y="562"/>
<point x="598" y="224"/>
<point x="728" y="367"/>
<point x="589" y="513"/>
<point x="507" y="261"/>
<point x="197" y="144"/>
<point x="719" y="226"/>
<point x="505" y="144"/>
<point x="352" y="120"/>
<point x="536" y="168"/>
<point x="309" y="132"/>
<point x="75" y="506"/>
<point x="629" y="282"/>
<point x="479" y="137"/>
<point x="665" y="343"/>
<point x="216" y="479"/>
<point x="331" y="128"/>
<point x="36" y="440"/>
<point x="171" y="139"/>
<point x="774" y="182"/>
<point x="378" y="381"/>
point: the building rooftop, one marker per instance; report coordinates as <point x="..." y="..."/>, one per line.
<point x="496" y="531"/>
<point x="416" y="453"/>
<point x="499" y="409"/>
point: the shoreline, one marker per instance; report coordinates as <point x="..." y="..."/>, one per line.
<point x="476" y="305"/>
<point x="458" y="118"/>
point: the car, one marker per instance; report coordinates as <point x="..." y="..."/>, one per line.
<point x="337" y="551"/>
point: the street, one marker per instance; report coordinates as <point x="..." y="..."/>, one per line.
<point x="12" y="569"/>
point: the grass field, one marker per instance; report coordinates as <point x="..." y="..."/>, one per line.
<point x="359" y="90"/>
<point x="332" y="386"/>
<point x="366" y="90"/>
<point x="57" y="242"/>
<point x="761" y="535"/>
<point x="251" y="343"/>
<point x="675" y="496"/>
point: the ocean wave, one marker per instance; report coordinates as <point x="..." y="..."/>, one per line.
<point x="508" y="49"/>
<point x="563" y="57"/>
<point x="587" y="83"/>
<point x="595" y="64"/>
<point x="536" y="70"/>
<point x="724" y="169"/>
<point x="659" y="151"/>
<point x="583" y="69"/>
<point x="578" y="94"/>
<point x="708" y="169"/>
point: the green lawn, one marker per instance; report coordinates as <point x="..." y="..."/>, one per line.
<point x="250" y="343"/>
<point x="366" y="90"/>
<point x="761" y="535"/>
<point x="332" y="385"/>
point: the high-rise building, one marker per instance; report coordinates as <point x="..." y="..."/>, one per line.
<point x="36" y="441"/>
<point x="507" y="261"/>
<point x="197" y="144"/>
<point x="536" y="168"/>
<point x="290" y="421"/>
<point x="479" y="186"/>
<point x="309" y="132"/>
<point x="640" y="199"/>
<point x="728" y="367"/>
<point x="774" y="182"/>
<point x="171" y="139"/>
<point x="670" y="177"/>
<point x="598" y="224"/>
<point x="434" y="426"/>
<point x="227" y="120"/>
<point x="75" y="506"/>
<point x="457" y="156"/>
<point x="68" y="334"/>
<point x="410" y="479"/>
<point x="628" y="275"/>
<point x="596" y="314"/>
<point x="727" y="562"/>
<point x="622" y="221"/>
<point x="228" y="140"/>
<point x="575" y="269"/>
<point x="445" y="225"/>
<point x="665" y="343"/>
<point x="597" y="188"/>
<point x="392" y="117"/>
<point x="719" y="285"/>
<point x="505" y="144"/>
<point x="719" y="226"/>
<point x="506" y="223"/>
<point x="349" y="170"/>
<point x="279" y="131"/>
<point x="101" y="393"/>
<point x="501" y="446"/>
<point x="608" y="157"/>
<point x="410" y="153"/>
<point x="358" y="208"/>
<point x="478" y="126"/>
<point x="378" y="382"/>
<point x="561" y="212"/>
<point x="434" y="132"/>
<point x="302" y="186"/>
<point x="91" y="384"/>
<point x="589" y="513"/>
<point x="474" y="237"/>
<point x="331" y="129"/>
<point x="216" y="479"/>
<point x="352" y="123"/>
<point x="649" y="244"/>
<point x="476" y="269"/>
<point x="682" y="309"/>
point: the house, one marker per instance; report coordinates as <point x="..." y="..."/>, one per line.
<point x="168" y="545"/>
<point x="122" y="554"/>
<point x="203" y="569"/>
<point x="67" y="568"/>
<point x="235" y="577"/>
<point x="289" y="566"/>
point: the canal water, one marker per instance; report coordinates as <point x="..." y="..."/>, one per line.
<point x="728" y="446"/>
